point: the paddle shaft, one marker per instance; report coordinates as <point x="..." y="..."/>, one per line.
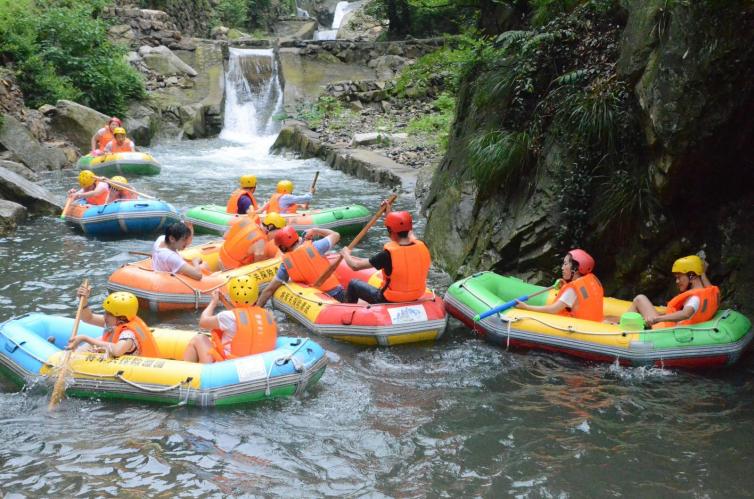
<point x="356" y="240"/>
<point x="67" y="204"/>
<point x="314" y="184"/>
<point x="59" y="389"/>
<point x="510" y="304"/>
<point x="125" y="187"/>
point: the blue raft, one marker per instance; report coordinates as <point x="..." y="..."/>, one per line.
<point x="133" y="217"/>
<point x="30" y="352"/>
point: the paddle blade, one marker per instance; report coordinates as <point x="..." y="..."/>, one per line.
<point x="58" y="390"/>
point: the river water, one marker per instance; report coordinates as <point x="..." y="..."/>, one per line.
<point x="454" y="418"/>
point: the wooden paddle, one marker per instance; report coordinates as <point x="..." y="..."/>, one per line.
<point x="510" y="304"/>
<point x="59" y="390"/>
<point x="67" y="204"/>
<point x="356" y="240"/>
<point x="125" y="187"/>
<point x="314" y="184"/>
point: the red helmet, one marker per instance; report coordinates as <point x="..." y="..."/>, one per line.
<point x="286" y="237"/>
<point x="399" y="221"/>
<point x="583" y="260"/>
<point x="115" y="120"/>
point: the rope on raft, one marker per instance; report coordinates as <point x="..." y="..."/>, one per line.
<point x="353" y="305"/>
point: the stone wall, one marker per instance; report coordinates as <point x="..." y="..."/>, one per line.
<point x="137" y="27"/>
<point x="364" y="52"/>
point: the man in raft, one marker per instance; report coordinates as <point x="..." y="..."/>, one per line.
<point x="404" y="262"/>
<point x="118" y="193"/>
<point x="104" y="135"/>
<point x="125" y="333"/>
<point x="304" y="261"/>
<point x="580" y="294"/>
<point x="248" y="329"/>
<point x="243" y="198"/>
<point x="283" y="201"/>
<point x="119" y="143"/>
<point x="250" y="241"/>
<point x="92" y="190"/>
<point x="697" y="302"/>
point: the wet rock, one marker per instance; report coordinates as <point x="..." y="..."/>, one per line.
<point x="163" y="61"/>
<point x="15" y="137"/>
<point x="37" y="199"/>
<point x="11" y="214"/>
<point x="77" y="123"/>
<point x="20" y="169"/>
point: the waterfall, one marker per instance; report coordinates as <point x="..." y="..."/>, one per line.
<point x="253" y="95"/>
<point x="341" y="10"/>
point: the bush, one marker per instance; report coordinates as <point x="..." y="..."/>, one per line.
<point x="435" y="127"/>
<point x="60" y="51"/>
<point x="232" y="13"/>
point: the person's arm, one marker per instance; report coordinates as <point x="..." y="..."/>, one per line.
<point x="355" y="262"/>
<point x="243" y="204"/>
<point x="290" y="199"/>
<point x="102" y="186"/>
<point x="95" y="138"/>
<point x="332" y="236"/>
<point x="258" y="250"/>
<point x="108" y="147"/>
<point x="552" y="308"/>
<point x="86" y="313"/>
<point x="208" y="319"/>
<point x="268" y="292"/>
<point x="705" y="280"/>
<point x="114" y="349"/>
<point x="681" y="315"/>
<point x="192" y="270"/>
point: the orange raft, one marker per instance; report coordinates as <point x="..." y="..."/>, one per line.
<point x="164" y="291"/>
<point x="382" y="324"/>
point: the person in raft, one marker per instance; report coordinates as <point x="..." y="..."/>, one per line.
<point x="248" y="329"/>
<point x="697" y="301"/>
<point x="283" y="201"/>
<point x="304" y="261"/>
<point x="125" y="333"/>
<point x="104" y="135"/>
<point x="250" y="241"/>
<point x="120" y="142"/>
<point x="92" y="190"/>
<point x="580" y="294"/>
<point x="404" y="261"/>
<point x="118" y="193"/>
<point x="165" y="250"/>
<point x="243" y="198"/>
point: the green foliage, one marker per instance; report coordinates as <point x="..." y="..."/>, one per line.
<point x="435" y="127"/>
<point x="60" y="51"/>
<point x="546" y="10"/>
<point x="232" y="13"/>
<point x="499" y="157"/>
<point x="624" y="198"/>
<point x="314" y="112"/>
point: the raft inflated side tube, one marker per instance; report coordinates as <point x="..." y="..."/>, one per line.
<point x="509" y="304"/>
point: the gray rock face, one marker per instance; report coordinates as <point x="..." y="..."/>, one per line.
<point x="77" y="123"/>
<point x="19" y="169"/>
<point x="140" y="122"/>
<point x="15" y="137"/>
<point x="366" y="139"/>
<point x="11" y="214"/>
<point x="163" y="61"/>
<point x="37" y="199"/>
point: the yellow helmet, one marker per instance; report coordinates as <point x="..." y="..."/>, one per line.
<point x="285" y="187"/>
<point x="120" y="180"/>
<point x="87" y="178"/>
<point x="248" y="181"/>
<point x="691" y="263"/>
<point x="243" y="290"/>
<point x="119" y="130"/>
<point x="121" y="304"/>
<point x="275" y="219"/>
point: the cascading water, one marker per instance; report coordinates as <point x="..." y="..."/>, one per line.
<point x="253" y="95"/>
<point x="341" y="9"/>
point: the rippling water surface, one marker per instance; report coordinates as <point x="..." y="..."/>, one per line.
<point x="456" y="418"/>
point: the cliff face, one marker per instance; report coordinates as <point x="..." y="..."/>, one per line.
<point x="636" y="120"/>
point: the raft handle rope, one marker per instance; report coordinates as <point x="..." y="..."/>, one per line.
<point x="281" y="361"/>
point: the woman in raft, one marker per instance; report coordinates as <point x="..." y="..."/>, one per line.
<point x="165" y="256"/>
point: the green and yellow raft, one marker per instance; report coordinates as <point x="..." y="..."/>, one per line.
<point x="120" y="163"/>
<point x="718" y="342"/>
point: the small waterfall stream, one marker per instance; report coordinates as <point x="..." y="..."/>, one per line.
<point x="341" y="9"/>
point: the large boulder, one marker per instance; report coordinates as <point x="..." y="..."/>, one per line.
<point x="163" y="61"/>
<point x="15" y="137"/>
<point x="76" y="122"/>
<point x="37" y="199"/>
<point x="140" y="123"/>
<point x="20" y="169"/>
<point x="11" y="214"/>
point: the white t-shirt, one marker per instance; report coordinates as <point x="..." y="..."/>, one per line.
<point x="227" y="320"/>
<point x="693" y="302"/>
<point x="165" y="259"/>
<point x="569" y="297"/>
<point x="130" y="335"/>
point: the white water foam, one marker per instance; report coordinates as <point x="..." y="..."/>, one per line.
<point x="341" y="10"/>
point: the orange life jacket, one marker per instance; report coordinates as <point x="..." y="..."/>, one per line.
<point x="232" y="206"/>
<point x="274" y="205"/>
<point x="124" y="195"/>
<point x="589" y="298"/>
<point x="100" y="198"/>
<point x="105" y="138"/>
<point x="256" y="332"/>
<point x="304" y="264"/>
<point x="147" y="344"/>
<point x="127" y="146"/>
<point x="235" y="250"/>
<point x="709" y="302"/>
<point x="408" y="280"/>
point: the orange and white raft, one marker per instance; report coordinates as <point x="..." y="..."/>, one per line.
<point x="382" y="324"/>
<point x="163" y="291"/>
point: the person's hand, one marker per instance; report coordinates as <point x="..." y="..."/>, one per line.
<point x="215" y="296"/>
<point x="313" y="190"/>
<point x="83" y="292"/>
<point x="522" y="305"/>
<point x="71" y="192"/>
<point x="346" y="251"/>
<point x="388" y="206"/>
<point x="197" y="262"/>
<point x="73" y="343"/>
<point x="309" y="234"/>
<point x="652" y="321"/>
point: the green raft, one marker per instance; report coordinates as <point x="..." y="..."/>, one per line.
<point x="715" y="343"/>
<point x="120" y="163"/>
<point x="346" y="220"/>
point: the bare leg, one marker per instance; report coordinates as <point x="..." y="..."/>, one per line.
<point x="198" y="350"/>
<point x="642" y="305"/>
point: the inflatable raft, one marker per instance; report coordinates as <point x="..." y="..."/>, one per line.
<point x="718" y="342"/>
<point x="346" y="220"/>
<point x="382" y="324"/>
<point x="133" y="217"/>
<point x="28" y="355"/>
<point x="163" y="291"/>
<point x="120" y="163"/>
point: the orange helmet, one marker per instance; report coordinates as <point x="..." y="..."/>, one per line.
<point x="583" y="260"/>
<point x="286" y="237"/>
<point x="399" y="221"/>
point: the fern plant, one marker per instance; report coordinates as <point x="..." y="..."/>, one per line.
<point x="499" y="157"/>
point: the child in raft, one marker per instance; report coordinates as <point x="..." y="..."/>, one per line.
<point x="118" y="193"/>
<point x="580" y="293"/>
<point x="165" y="256"/>
<point x="246" y="330"/>
<point x="125" y="333"/>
